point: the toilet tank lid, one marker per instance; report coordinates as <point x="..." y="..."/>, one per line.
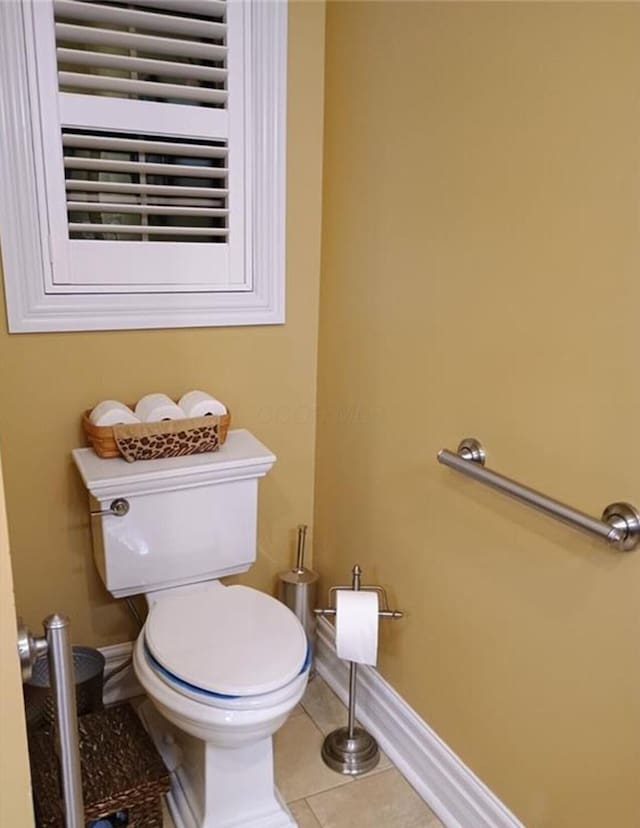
<point x="233" y="641"/>
<point x="242" y="456"/>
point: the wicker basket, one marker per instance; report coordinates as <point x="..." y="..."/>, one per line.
<point x="121" y="771"/>
<point x="149" y="441"/>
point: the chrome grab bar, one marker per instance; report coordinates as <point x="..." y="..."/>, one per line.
<point x="620" y="522"/>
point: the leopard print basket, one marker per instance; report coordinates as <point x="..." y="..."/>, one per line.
<point x="150" y="441"/>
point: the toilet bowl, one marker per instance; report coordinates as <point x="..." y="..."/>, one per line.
<point x="228" y="662"/>
<point x="222" y="666"/>
<point x="225" y="666"/>
<point x="228" y="722"/>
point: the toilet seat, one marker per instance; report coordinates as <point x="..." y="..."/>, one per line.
<point x="224" y="642"/>
<point x="222" y="702"/>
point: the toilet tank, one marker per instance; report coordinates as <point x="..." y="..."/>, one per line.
<point x="189" y="519"/>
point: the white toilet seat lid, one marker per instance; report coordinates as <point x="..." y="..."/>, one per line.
<point x="233" y="641"/>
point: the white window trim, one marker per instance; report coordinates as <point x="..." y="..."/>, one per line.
<point x="25" y="248"/>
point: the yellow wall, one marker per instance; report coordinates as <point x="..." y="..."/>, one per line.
<point x="267" y="375"/>
<point x="481" y="276"/>
<point x="15" y="790"/>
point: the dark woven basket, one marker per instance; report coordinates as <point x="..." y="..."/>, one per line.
<point x="88" y="673"/>
<point x="121" y="771"/>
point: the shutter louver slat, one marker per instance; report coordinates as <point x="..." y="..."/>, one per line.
<point x="152" y="190"/>
<point x="143" y="209"/>
<point x="124" y="63"/>
<point x="149" y="44"/>
<point x="147" y="230"/>
<point x="123" y="187"/>
<point x="141" y="167"/>
<point x="118" y="16"/>
<point x="201" y="7"/>
<point x="117" y="144"/>
<point x="138" y="88"/>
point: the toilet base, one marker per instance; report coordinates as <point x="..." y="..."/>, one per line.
<point x="183" y="816"/>
<point x="214" y="787"/>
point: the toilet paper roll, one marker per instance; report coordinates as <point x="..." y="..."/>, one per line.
<point x="112" y="412"/>
<point x="357" y="626"/>
<point x="200" y="404"/>
<point x="156" y="407"/>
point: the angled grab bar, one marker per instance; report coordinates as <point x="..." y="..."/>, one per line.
<point x="620" y="522"/>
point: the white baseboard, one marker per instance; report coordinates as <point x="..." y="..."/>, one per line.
<point x="447" y="785"/>
<point x="124" y="685"/>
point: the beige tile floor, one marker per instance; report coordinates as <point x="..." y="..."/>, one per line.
<point x="320" y="798"/>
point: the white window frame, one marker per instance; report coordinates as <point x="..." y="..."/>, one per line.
<point x="33" y="305"/>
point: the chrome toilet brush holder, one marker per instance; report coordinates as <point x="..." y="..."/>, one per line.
<point x="297" y="589"/>
<point x="352" y="750"/>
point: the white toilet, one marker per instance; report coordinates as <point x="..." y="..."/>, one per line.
<point x="222" y="666"/>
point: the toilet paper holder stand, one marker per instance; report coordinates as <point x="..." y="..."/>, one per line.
<point x="353" y="750"/>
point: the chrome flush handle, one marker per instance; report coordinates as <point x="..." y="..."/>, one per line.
<point x="118" y="507"/>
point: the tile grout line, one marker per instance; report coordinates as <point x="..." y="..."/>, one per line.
<point x="340" y="783"/>
<point x="305" y="799"/>
<point x="340" y="778"/>
<point x="435" y="823"/>
<point x="313" y="721"/>
<point x="320" y="779"/>
<point x="310" y="807"/>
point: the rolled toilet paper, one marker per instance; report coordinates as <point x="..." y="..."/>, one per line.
<point x="112" y="412"/>
<point x="357" y="626"/>
<point x="201" y="404"/>
<point x="156" y="407"/>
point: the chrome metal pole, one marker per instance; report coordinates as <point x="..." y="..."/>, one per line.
<point x="302" y="537"/>
<point x="63" y="685"/>
<point x="353" y="667"/>
<point x="353" y="676"/>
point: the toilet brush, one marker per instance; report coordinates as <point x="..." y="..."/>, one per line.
<point x="298" y="588"/>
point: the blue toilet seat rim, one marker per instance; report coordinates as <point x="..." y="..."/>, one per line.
<point x="171" y="678"/>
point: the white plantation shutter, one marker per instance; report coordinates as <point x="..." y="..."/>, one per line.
<point x="143" y="119"/>
<point x="142" y="163"/>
